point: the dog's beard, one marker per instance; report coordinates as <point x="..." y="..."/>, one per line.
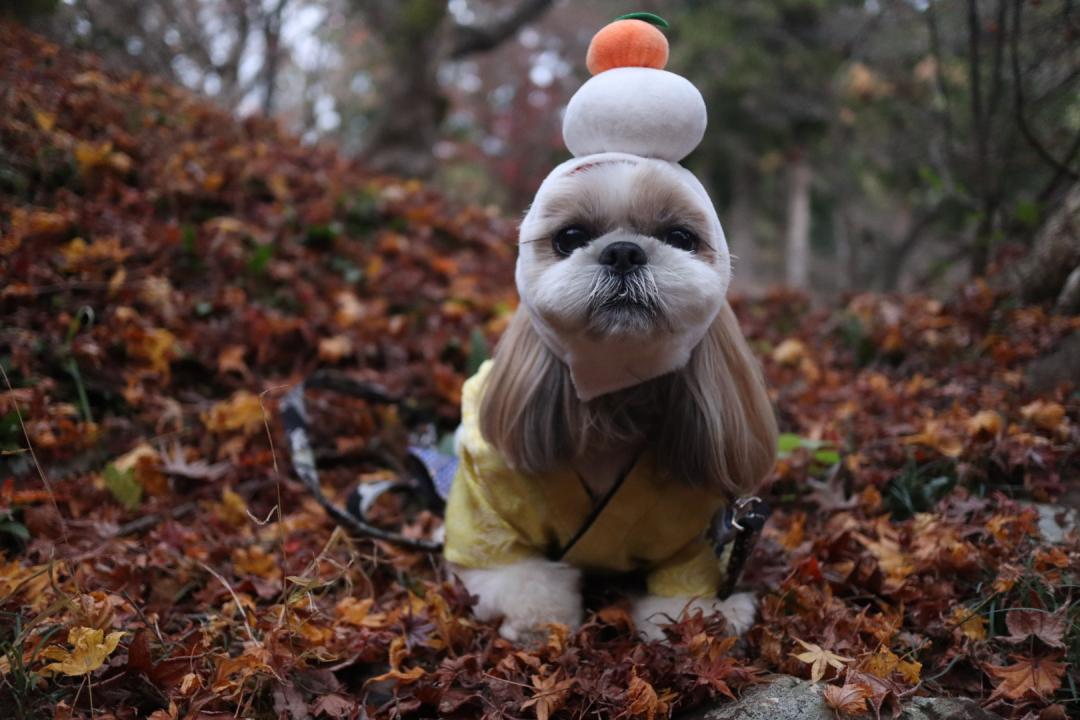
<point x="623" y="304"/>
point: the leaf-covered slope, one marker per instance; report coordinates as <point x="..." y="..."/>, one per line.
<point x="167" y="271"/>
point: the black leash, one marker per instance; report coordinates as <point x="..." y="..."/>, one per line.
<point x="295" y="419"/>
<point x="733" y="532"/>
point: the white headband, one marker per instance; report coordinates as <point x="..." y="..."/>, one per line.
<point x="638" y="115"/>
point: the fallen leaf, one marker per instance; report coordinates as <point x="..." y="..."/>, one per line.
<point x="641" y="698"/>
<point x="1046" y="414"/>
<point x="940" y="437"/>
<point x="333" y="706"/>
<point x="820" y="659"/>
<point x="92" y="155"/>
<point x="358" y="613"/>
<point x="398" y="653"/>
<point x="90" y="648"/>
<point x="1048" y="627"/>
<point x="846" y="700"/>
<point x="1039" y="678"/>
<point x="175" y="462"/>
<point x="789" y="352"/>
<point x="231" y="359"/>
<point x="45" y="120"/>
<point x="972" y="624"/>
<point x="334" y="349"/>
<point x="549" y="695"/>
<point x="256" y="561"/>
<point x="242" y="412"/>
<point x="985" y="423"/>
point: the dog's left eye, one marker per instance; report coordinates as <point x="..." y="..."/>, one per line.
<point x="570" y="239"/>
<point x="680" y="238"/>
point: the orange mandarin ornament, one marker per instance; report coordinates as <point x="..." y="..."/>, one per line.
<point x="633" y="40"/>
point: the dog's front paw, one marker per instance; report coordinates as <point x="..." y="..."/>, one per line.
<point x="652" y="612"/>
<point x="739" y="610"/>
<point x="528" y="596"/>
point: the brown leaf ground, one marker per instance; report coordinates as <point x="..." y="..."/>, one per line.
<point x="167" y="272"/>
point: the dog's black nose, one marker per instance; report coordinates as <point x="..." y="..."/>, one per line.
<point x="623" y="257"/>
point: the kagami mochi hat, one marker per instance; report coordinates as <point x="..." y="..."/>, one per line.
<point x="631" y="111"/>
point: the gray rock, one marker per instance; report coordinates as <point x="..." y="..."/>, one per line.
<point x="788" y="698"/>
<point x="1056" y="522"/>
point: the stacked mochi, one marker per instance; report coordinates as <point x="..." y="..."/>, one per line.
<point x="631" y="104"/>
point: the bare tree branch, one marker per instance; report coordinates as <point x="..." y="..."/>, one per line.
<point x="978" y="117"/>
<point x="471" y="39"/>
<point x="939" y="79"/>
<point x="997" y="75"/>
<point x="271" y="29"/>
<point x="1061" y="169"/>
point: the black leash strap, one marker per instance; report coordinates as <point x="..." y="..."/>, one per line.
<point x="295" y="419"/>
<point x="735" y="531"/>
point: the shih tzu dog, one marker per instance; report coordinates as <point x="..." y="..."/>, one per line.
<point x="622" y="409"/>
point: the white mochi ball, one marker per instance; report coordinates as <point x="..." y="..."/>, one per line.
<point x="641" y="111"/>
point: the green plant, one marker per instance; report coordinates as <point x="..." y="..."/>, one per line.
<point x="918" y="488"/>
<point x="822" y="452"/>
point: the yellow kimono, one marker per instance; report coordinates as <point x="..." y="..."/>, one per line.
<point x="496" y="516"/>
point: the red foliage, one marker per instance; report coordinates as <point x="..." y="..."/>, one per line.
<point x="167" y="271"/>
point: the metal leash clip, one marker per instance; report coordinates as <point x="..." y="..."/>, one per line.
<point x="734" y="532"/>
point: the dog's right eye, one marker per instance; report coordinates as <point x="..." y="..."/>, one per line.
<point x="570" y="239"/>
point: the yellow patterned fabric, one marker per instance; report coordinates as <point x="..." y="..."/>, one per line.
<point x="496" y="515"/>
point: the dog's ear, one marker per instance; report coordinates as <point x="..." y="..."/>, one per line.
<point x="522" y="412"/>
<point x="719" y="429"/>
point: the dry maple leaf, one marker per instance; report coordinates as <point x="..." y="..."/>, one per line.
<point x="549" y="696"/>
<point x="241" y="412"/>
<point x="847" y="700"/>
<point x="885" y="662"/>
<point x="819" y="659"/>
<point x="174" y="461"/>
<point x="970" y="623"/>
<point x="1040" y="677"/>
<point x="358" y="612"/>
<point x="939" y="436"/>
<point x="1048" y="627"/>
<point x="90" y="648"/>
<point x="891" y="557"/>
<point x="642" y="699"/>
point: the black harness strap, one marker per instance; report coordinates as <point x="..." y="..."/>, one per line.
<point x="594" y="514"/>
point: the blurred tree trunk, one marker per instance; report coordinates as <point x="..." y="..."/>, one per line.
<point x="1052" y="270"/>
<point x="272" y="63"/>
<point x="23" y="9"/>
<point x="406" y="126"/>
<point x="797" y="234"/>
<point x="417" y="36"/>
<point x="847" y="258"/>
<point x="895" y="256"/>
<point x="741" y="224"/>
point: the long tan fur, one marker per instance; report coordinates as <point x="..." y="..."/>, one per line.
<point x="710" y="423"/>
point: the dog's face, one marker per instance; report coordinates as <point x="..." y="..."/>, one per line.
<point x="622" y="249"/>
